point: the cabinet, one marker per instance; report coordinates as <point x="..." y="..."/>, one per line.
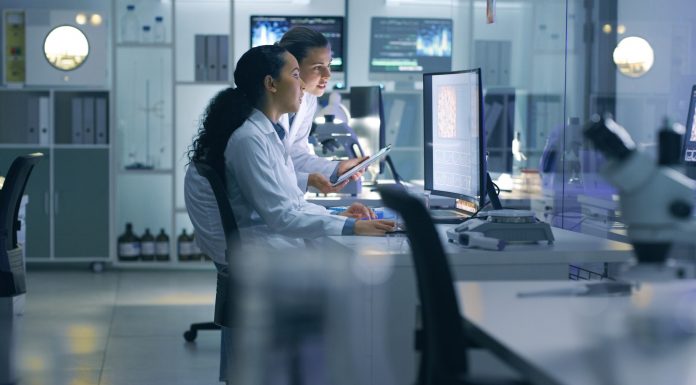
<point x="69" y="193"/>
<point x="158" y="104"/>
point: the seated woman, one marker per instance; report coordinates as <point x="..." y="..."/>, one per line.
<point x="240" y="137"/>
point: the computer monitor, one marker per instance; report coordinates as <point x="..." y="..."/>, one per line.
<point x="270" y="29"/>
<point x="454" y="137"/>
<point x="689" y="153"/>
<point x="401" y="49"/>
<point x="367" y="118"/>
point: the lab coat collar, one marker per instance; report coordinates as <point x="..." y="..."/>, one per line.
<point x="262" y="122"/>
<point x="299" y="116"/>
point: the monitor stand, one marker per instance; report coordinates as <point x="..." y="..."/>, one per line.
<point x="492" y="194"/>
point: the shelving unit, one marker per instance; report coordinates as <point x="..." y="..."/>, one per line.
<point x="157" y="107"/>
<point x="69" y="190"/>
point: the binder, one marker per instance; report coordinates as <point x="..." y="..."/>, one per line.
<point x="44" y="121"/>
<point x="200" y="67"/>
<point x="88" y="120"/>
<point x="32" y="119"/>
<point x="211" y="57"/>
<point x="100" y="121"/>
<point x="76" y="126"/>
<point x="223" y="52"/>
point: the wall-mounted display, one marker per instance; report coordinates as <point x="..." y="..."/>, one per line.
<point x="402" y="49"/>
<point x="270" y="29"/>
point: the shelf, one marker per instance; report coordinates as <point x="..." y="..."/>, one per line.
<point x="145" y="171"/>
<point x="55" y="88"/>
<point x="23" y="145"/>
<point x="167" y="265"/>
<point x="81" y="146"/>
<point x="201" y="83"/>
<point x="144" y="45"/>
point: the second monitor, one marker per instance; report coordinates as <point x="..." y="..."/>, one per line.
<point x="454" y="137"/>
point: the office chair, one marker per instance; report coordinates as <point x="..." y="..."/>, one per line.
<point x="12" y="275"/>
<point x="443" y="341"/>
<point x="229" y="226"/>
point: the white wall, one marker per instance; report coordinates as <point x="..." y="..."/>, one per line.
<point x="664" y="91"/>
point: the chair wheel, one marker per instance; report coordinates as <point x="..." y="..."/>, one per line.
<point x="190" y="335"/>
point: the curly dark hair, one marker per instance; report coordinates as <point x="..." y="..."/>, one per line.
<point x="231" y="107"/>
<point x="299" y="40"/>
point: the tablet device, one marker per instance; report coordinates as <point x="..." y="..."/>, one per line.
<point x="363" y="165"/>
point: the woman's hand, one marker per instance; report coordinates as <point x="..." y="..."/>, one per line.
<point x="345" y="165"/>
<point x="322" y="184"/>
<point x="359" y="211"/>
<point x="375" y="228"/>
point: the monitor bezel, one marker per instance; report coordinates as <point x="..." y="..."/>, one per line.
<point x="428" y="140"/>
<point x="343" y="33"/>
<point x="401" y="76"/>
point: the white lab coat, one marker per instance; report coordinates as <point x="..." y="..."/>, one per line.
<point x="263" y="190"/>
<point x="304" y="159"/>
<point x="203" y="211"/>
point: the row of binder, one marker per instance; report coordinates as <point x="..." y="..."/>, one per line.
<point x="37" y="120"/>
<point x="211" y="59"/>
<point x="89" y="120"/>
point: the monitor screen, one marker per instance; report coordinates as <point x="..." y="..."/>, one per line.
<point x="454" y="137"/>
<point x="269" y="29"/>
<point x="410" y="46"/>
<point x="690" y="134"/>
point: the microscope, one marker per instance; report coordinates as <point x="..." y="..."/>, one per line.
<point x="656" y="201"/>
<point x="334" y="135"/>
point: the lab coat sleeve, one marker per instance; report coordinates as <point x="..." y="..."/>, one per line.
<point x="302" y="180"/>
<point x="304" y="160"/>
<point x="256" y="170"/>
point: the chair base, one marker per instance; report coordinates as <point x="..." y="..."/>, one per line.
<point x="191" y="334"/>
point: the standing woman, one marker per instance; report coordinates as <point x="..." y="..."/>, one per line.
<point x="240" y="137"/>
<point x="313" y="53"/>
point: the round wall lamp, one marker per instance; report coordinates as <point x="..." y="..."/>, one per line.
<point x="66" y="48"/>
<point x="633" y="56"/>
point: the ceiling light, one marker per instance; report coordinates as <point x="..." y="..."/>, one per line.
<point x="81" y="18"/>
<point x="95" y="19"/>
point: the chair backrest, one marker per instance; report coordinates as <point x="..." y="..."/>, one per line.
<point x="445" y="347"/>
<point x="11" y="263"/>
<point x="223" y="297"/>
<point x="229" y="224"/>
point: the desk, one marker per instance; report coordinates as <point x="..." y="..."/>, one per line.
<point x="389" y="299"/>
<point x="581" y="340"/>
<point x="515" y="262"/>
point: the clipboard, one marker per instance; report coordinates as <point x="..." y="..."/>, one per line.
<point x="363" y="165"/>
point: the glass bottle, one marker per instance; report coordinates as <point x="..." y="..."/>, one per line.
<point x="129" y="25"/>
<point x="128" y="245"/>
<point x="146" y="34"/>
<point x="158" y="32"/>
<point x="162" y="246"/>
<point x="147" y="246"/>
<point x="185" y="243"/>
<point x="195" y="250"/>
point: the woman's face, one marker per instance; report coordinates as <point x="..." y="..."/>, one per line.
<point x="289" y="85"/>
<point x="315" y="71"/>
